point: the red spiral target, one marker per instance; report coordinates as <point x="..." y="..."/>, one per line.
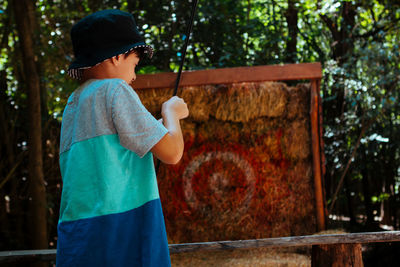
<point x="210" y="189"/>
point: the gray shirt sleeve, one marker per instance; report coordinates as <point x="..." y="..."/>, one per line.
<point x="137" y="129"/>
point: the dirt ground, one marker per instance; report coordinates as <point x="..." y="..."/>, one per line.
<point x="286" y="257"/>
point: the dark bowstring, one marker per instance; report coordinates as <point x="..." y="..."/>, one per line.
<point x="184" y="49"/>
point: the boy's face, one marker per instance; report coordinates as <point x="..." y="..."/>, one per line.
<point x="126" y="67"/>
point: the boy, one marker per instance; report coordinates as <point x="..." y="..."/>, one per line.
<point x="110" y="212"/>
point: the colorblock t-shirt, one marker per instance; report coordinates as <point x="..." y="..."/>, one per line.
<point x="110" y="212"/>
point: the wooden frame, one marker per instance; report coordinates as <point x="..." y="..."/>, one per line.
<point x="304" y="71"/>
<point x="324" y="247"/>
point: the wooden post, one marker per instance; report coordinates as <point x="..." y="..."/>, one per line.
<point x="338" y="255"/>
<point x="316" y="152"/>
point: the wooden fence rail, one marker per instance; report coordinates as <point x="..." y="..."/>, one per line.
<point x="288" y="72"/>
<point x="291" y="241"/>
<point x="327" y="250"/>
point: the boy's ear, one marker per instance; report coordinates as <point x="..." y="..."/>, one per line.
<point x="116" y="60"/>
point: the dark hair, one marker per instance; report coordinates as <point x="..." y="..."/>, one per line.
<point x="139" y="52"/>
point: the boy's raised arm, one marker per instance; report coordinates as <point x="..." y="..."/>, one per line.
<point x="170" y="148"/>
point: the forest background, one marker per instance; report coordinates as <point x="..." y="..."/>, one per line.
<point x="357" y="43"/>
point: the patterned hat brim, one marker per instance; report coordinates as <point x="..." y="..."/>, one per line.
<point x="77" y="73"/>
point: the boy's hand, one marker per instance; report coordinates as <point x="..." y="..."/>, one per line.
<point x="170" y="148"/>
<point x="176" y="106"/>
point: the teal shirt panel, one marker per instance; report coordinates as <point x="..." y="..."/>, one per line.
<point x="110" y="179"/>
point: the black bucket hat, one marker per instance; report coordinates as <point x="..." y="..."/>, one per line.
<point x="103" y="35"/>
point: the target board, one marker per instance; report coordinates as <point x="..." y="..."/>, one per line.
<point x="246" y="171"/>
<point x="229" y="190"/>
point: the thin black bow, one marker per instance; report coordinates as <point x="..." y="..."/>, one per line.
<point x="189" y="30"/>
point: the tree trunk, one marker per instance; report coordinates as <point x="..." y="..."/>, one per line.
<point x="366" y="189"/>
<point x="5" y="162"/>
<point x="389" y="175"/>
<point x="342" y="43"/>
<point x="349" y="201"/>
<point x="291" y="15"/>
<point x="4" y="125"/>
<point x="37" y="190"/>
<point x="388" y="188"/>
